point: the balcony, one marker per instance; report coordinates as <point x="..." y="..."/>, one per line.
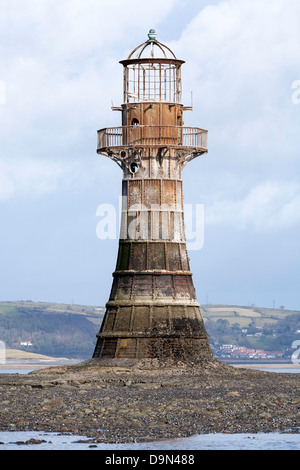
<point x="113" y="139"/>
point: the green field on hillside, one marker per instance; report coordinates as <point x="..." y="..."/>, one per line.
<point x="244" y="316"/>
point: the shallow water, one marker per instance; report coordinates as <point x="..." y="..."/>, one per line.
<point x="283" y="371"/>
<point x="296" y="370"/>
<point x="54" y="441"/>
<point x="16" y="371"/>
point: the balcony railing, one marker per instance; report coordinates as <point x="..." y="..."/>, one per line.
<point x="147" y="136"/>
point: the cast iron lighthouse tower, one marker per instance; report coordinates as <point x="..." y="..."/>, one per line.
<point x="152" y="311"/>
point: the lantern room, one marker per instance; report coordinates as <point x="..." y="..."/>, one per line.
<point x="152" y="73"/>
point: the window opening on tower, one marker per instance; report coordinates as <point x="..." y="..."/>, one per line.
<point x="134" y="167"/>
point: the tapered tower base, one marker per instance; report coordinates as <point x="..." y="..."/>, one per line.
<point x="153" y="331"/>
<point x="192" y="350"/>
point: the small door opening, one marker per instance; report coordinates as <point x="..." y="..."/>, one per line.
<point x="135" y="122"/>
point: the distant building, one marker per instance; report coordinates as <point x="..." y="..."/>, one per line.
<point x="236" y="352"/>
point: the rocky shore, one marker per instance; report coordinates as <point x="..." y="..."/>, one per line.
<point x="143" y="401"/>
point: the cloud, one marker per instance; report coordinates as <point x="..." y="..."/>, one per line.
<point x="28" y="178"/>
<point x="271" y="206"/>
<point x="60" y="66"/>
<point x="32" y="178"/>
<point x="241" y="59"/>
<point x="245" y="41"/>
<point x="61" y="71"/>
<point x="75" y="28"/>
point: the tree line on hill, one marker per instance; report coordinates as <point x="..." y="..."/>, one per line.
<point x="51" y="334"/>
<point x="277" y="336"/>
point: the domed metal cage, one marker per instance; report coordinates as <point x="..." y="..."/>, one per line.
<point x="152" y="73"/>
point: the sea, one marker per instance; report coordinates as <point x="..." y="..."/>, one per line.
<point x="288" y="440"/>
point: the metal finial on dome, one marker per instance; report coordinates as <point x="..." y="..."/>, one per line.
<point x="152" y="35"/>
<point x="150" y="49"/>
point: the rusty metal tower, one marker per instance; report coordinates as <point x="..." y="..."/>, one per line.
<point x="152" y="311"/>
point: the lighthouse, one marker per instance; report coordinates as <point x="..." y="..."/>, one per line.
<point x="152" y="311"/>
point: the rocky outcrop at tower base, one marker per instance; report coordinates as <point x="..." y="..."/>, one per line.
<point x="149" y="400"/>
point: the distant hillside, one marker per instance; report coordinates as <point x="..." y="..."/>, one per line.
<point x="252" y="327"/>
<point x="13" y="308"/>
<point x="50" y="329"/>
<point x="66" y="330"/>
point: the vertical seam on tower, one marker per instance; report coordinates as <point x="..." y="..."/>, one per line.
<point x="179" y="253"/>
<point x="115" y="319"/>
<point x="132" y="313"/>
<point x="151" y="317"/>
<point x="130" y="255"/>
<point x="153" y="287"/>
<point x="166" y="257"/>
<point x="132" y="287"/>
<point x="170" y="318"/>
<point x="174" y="286"/>
<point x="147" y="255"/>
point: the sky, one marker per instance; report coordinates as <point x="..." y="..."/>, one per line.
<point x="60" y="73"/>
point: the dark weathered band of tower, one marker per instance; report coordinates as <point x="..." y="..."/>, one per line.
<point x="152" y="311"/>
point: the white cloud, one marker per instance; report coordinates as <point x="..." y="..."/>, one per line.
<point x="60" y="65"/>
<point x="61" y="70"/>
<point x="32" y="178"/>
<point x="76" y="28"/>
<point x="241" y="59"/>
<point x="245" y="41"/>
<point x="28" y="178"/>
<point x="270" y="206"/>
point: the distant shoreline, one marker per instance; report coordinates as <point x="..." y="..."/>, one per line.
<point x="267" y="366"/>
<point x="37" y="364"/>
<point x="26" y="364"/>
